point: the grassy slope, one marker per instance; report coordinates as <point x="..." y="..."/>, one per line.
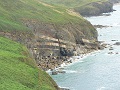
<point x="18" y="70"/>
<point x="71" y="3"/>
<point x="12" y="12"/>
<point x="84" y="7"/>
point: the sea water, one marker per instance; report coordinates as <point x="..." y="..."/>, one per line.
<point x="101" y="70"/>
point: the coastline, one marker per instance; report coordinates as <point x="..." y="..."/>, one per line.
<point x="71" y="61"/>
<point x="75" y="59"/>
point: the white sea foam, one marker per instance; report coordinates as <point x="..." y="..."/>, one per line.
<point x="74" y="59"/>
<point x="115" y="24"/>
<point x="101" y="88"/>
<point x="104" y="88"/>
<point x="71" y="71"/>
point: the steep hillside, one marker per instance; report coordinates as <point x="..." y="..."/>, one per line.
<point x="48" y="31"/>
<point x="18" y="70"/>
<point x="71" y="3"/>
<point x="86" y="7"/>
<point x="13" y="12"/>
<point x="114" y="1"/>
<point x="95" y="8"/>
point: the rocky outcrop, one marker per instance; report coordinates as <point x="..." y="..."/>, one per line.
<point x="117" y="43"/>
<point x="101" y="26"/>
<point x="114" y="1"/>
<point x="95" y="8"/>
<point x="52" y="44"/>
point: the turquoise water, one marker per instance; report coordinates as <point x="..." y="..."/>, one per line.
<point x="99" y="71"/>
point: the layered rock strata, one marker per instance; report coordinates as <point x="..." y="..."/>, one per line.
<point x="51" y="44"/>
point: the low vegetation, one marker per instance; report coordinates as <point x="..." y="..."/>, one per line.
<point x="14" y="12"/>
<point x="18" y="70"/>
<point x="71" y="3"/>
<point x="84" y="7"/>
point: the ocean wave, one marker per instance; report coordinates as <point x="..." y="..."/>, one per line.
<point x="71" y="71"/>
<point x="115" y="24"/>
<point x="102" y="88"/>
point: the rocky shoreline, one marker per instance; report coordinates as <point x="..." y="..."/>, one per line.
<point x="53" y="63"/>
<point x="70" y="61"/>
<point x="97" y="8"/>
<point x="101" y="26"/>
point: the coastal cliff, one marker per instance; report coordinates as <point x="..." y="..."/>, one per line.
<point x="51" y="34"/>
<point x="86" y="7"/>
<point x="95" y="8"/>
<point x="52" y="43"/>
<point x="114" y="1"/>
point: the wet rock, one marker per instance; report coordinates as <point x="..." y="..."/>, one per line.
<point x="114" y="40"/>
<point x="95" y="8"/>
<point x="117" y="43"/>
<point x="60" y="71"/>
<point x="117" y="53"/>
<point x="61" y="68"/>
<point x="111" y="48"/>
<point x="54" y="72"/>
<point x="100" y="47"/>
<point x="101" y="26"/>
<point x="110" y="53"/>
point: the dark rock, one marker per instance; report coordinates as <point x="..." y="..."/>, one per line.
<point x="117" y="43"/>
<point x="117" y="53"/>
<point x="54" y="72"/>
<point x="95" y="8"/>
<point x="61" y="68"/>
<point x="101" y="26"/>
<point x="111" y="48"/>
<point x="60" y="71"/>
<point x="110" y="53"/>
<point x="114" y="1"/>
<point x="114" y="40"/>
<point x="100" y="47"/>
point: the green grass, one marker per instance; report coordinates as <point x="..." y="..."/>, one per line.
<point x="71" y="3"/>
<point x="84" y="7"/>
<point x="18" y="70"/>
<point x="14" y="12"/>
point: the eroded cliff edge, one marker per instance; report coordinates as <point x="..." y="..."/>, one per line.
<point x="87" y="7"/>
<point x="95" y="8"/>
<point x="49" y="43"/>
<point x="52" y="34"/>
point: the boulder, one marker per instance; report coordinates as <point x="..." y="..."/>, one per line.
<point x="111" y="48"/>
<point x="117" y="43"/>
<point x="54" y="72"/>
<point x="60" y="71"/>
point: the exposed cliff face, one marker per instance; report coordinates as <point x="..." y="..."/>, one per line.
<point x="47" y="31"/>
<point x="114" y="1"/>
<point x="87" y="7"/>
<point x="95" y="8"/>
<point x="52" y="37"/>
<point x="54" y="40"/>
